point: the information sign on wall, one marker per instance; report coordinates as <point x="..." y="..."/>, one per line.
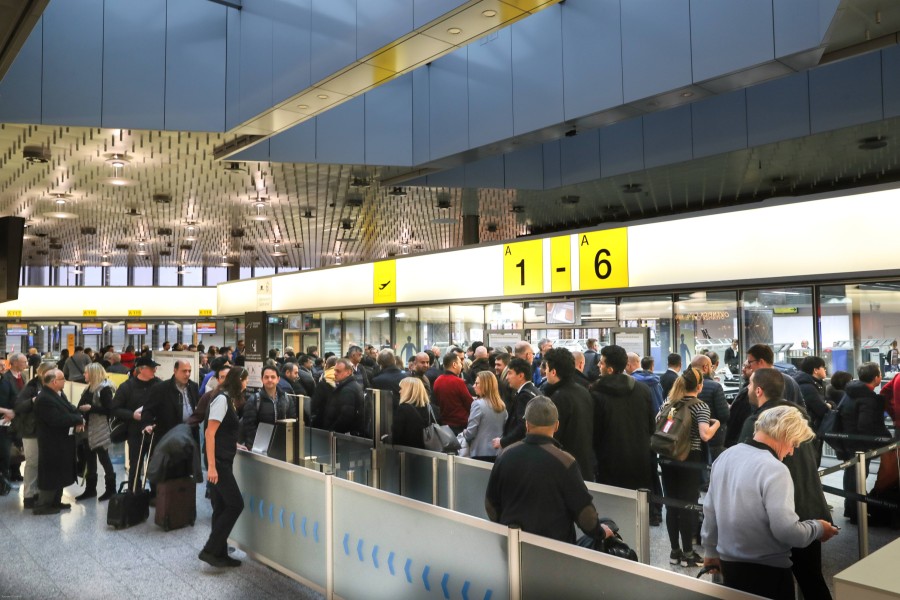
<point x="523" y="268"/>
<point x="603" y="259"/>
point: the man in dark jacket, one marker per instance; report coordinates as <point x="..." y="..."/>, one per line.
<point x="673" y="369"/>
<point x="764" y="392"/>
<point x="576" y="409"/>
<point x="266" y="406"/>
<point x="623" y="423"/>
<point x="580" y="378"/>
<point x="129" y="401"/>
<point x="481" y="363"/>
<point x="171" y="402"/>
<point x="862" y="413"/>
<point x="25" y="426"/>
<point x="305" y="374"/>
<point x="342" y="412"/>
<point x="591" y="361"/>
<point x="536" y="485"/>
<point x="389" y="376"/>
<point x="811" y="380"/>
<point x="761" y="356"/>
<point x="56" y="420"/>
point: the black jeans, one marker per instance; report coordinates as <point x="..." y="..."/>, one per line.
<point x="762" y="580"/>
<point x="227" y="504"/>
<point x="683" y="483"/>
<point x="5" y="447"/>
<point x="807" y="569"/>
<point x="101" y="454"/>
<point x="850" y="486"/>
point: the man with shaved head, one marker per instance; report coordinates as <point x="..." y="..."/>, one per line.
<point x="479" y="364"/>
<point x="633" y="364"/>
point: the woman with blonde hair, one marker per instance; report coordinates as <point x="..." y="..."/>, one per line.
<point x="411" y="416"/>
<point x="681" y="480"/>
<point x="96" y="406"/>
<point x="487" y="416"/>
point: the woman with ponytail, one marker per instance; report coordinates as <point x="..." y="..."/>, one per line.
<point x="681" y="480"/>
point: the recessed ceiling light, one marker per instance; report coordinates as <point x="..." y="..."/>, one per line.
<point x="60" y="215"/>
<point x="322" y="96"/>
<point x="873" y="143"/>
<point x="303" y="106"/>
<point x="687" y="94"/>
<point x="117" y="160"/>
<point x="489" y="13"/>
<point x="454" y="31"/>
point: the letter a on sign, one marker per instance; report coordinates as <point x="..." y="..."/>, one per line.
<point x="603" y="259"/>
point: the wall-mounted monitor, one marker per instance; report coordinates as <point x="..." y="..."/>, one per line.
<point x="206" y="327"/>
<point x="136" y="328"/>
<point x="92" y="329"/>
<point x="16" y="329"/>
<point x="561" y="313"/>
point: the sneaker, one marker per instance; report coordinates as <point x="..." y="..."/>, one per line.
<point x="691" y="560"/>
<point x="675" y="556"/>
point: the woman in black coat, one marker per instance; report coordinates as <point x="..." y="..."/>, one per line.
<point x="411" y="416"/>
<point x="96" y="406"/>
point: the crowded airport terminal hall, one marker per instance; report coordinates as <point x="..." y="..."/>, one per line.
<point x="449" y="299"/>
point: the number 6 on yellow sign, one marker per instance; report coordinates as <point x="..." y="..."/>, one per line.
<point x="603" y="259"/>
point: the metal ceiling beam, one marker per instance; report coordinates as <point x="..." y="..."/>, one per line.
<point x="16" y="22"/>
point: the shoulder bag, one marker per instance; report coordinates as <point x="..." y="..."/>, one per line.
<point x="439" y="438"/>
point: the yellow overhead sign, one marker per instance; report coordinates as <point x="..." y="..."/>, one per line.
<point x="133" y="312"/>
<point x="523" y="268"/>
<point x="603" y="259"/>
<point x="384" y="282"/>
<point x="14" y="313"/>
<point x="561" y="263"/>
<point x="206" y="312"/>
<point x="89" y="313"/>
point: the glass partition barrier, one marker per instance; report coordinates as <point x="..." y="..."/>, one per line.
<point x="467" y="324"/>
<point x="469" y="485"/>
<point x="782" y="318"/>
<point x="353" y="458"/>
<point x="417" y="475"/>
<point x="318" y="445"/>
<point x="707" y="321"/>
<point x="406" y="322"/>
<point x="283" y="522"/>
<point x="581" y="573"/>
<point x="621" y="506"/>
<point x="378" y="327"/>
<point x="436" y="553"/>
<point x="655" y="313"/>
<point x="434" y="324"/>
<point x="354" y="334"/>
<point x="389" y="468"/>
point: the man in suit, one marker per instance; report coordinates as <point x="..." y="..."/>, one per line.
<point x="57" y="421"/>
<point x="171" y="402"/>
<point x="518" y="376"/>
<point x="668" y="378"/>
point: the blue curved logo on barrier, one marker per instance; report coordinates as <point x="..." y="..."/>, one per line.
<point x="257" y="507"/>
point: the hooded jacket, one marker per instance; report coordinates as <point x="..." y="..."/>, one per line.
<point x="623" y="424"/>
<point x="651" y="380"/>
<point x="813" y="392"/>
<point x="862" y="413"/>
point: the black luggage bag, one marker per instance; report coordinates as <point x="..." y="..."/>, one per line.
<point x="131" y="506"/>
<point x="176" y="503"/>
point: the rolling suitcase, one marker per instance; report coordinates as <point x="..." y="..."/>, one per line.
<point x="176" y="503"/>
<point x="131" y="506"/>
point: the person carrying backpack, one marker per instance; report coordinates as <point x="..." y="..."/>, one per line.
<point x="682" y="424"/>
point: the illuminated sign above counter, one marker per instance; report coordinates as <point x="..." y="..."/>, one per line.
<point x="657" y="254"/>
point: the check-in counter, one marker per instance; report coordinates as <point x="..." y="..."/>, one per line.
<point x="872" y="578"/>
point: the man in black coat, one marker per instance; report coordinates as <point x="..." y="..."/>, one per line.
<point x="862" y="413"/>
<point x="624" y="420"/>
<point x="575" y="406"/>
<point x="171" y="402"/>
<point x="267" y="406"/>
<point x="128" y="404"/>
<point x="342" y="412"/>
<point x="673" y="369"/>
<point x="389" y="376"/>
<point x="57" y="420"/>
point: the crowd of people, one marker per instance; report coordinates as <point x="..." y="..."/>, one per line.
<point x="571" y="417"/>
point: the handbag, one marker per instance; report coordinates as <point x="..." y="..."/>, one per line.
<point x="439" y="438"/>
<point x="612" y="545"/>
<point x="118" y="430"/>
<point x="98" y="432"/>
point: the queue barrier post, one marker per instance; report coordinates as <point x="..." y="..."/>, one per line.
<point x="862" y="508"/>
<point x="643" y="526"/>
<point x="435" y="492"/>
<point x="514" y="556"/>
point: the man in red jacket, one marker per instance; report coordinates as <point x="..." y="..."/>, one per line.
<point x="451" y="394"/>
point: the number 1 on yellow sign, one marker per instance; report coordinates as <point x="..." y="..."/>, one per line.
<point x="523" y="268"/>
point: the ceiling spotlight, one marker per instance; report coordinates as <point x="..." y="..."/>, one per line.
<point x="277" y="252"/>
<point x="117" y="160"/>
<point x="632" y="188"/>
<point x="570" y="199"/>
<point x="303" y="106"/>
<point x="162" y="198"/>
<point x="76" y="269"/>
<point x="347" y="224"/>
<point x="60" y="201"/>
<point x="454" y="31"/>
<point x="307" y="214"/>
<point x="687" y="94"/>
<point x="360" y="182"/>
<point x="182" y="269"/>
<point x="322" y="96"/>
<point x="397" y="192"/>
<point x="225" y="262"/>
<point x="404" y="249"/>
<point x="489" y="13"/>
<point x="133" y="212"/>
<point x="338" y="259"/>
<point x="259" y="216"/>
<point x="517" y="208"/>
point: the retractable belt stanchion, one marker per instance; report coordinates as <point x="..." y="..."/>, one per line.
<point x="862" y="508"/>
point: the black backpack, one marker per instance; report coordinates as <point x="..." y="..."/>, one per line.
<point x="672" y="436"/>
<point x="832" y="422"/>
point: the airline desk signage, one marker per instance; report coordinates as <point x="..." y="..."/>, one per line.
<point x="384" y="282"/>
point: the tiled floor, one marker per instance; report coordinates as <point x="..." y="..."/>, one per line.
<point x="75" y="555"/>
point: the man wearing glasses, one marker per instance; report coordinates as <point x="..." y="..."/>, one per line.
<point x="760" y="356"/>
<point x="57" y="422"/>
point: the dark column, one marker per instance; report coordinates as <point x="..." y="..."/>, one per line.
<point x="470" y="219"/>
